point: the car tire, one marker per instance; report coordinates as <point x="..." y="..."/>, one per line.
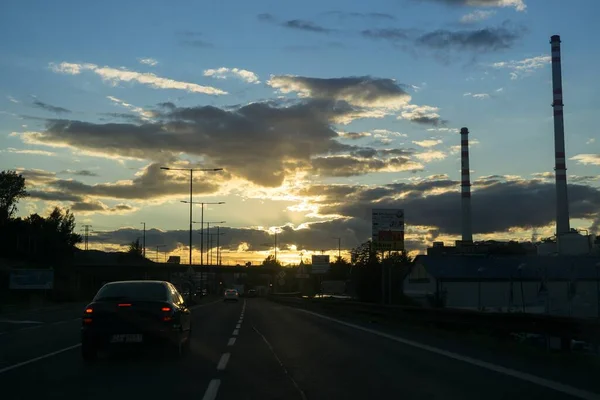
<point x="89" y="352"/>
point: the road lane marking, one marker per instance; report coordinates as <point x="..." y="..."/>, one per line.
<point x="231" y="341"/>
<point x="18" y="321"/>
<point x="236" y="332"/>
<point x="23" y="363"/>
<point x="223" y="362"/>
<point x="559" y="387"/>
<point x="238" y="326"/>
<point x="285" y="371"/>
<point x="43" y="325"/>
<point x="212" y="390"/>
<point x="240" y="321"/>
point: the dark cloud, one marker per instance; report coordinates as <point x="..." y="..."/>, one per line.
<point x="370" y="15"/>
<point x="49" y="107"/>
<point x="487" y="39"/>
<point x="392" y="34"/>
<point x="97" y="206"/>
<point x="124" y="116"/>
<point x="53" y="195"/>
<point x="152" y="183"/>
<point x="355" y="135"/>
<point x="425" y="120"/>
<point x="518" y="4"/>
<point x="83" y="172"/>
<point x="304" y="25"/>
<point x="497" y="204"/>
<point x="346" y="166"/>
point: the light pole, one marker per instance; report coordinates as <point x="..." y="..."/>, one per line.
<point x="520" y="268"/>
<point x="339" y="239"/>
<point x="201" y="222"/>
<point x="144" y="252"/>
<point x="157" y="247"/>
<point x="219" y="254"/>
<point x="191" y="191"/>
<point x="597" y="292"/>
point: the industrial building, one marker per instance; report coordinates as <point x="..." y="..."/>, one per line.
<point x="559" y="277"/>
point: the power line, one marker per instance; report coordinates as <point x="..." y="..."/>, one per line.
<point x="87" y="234"/>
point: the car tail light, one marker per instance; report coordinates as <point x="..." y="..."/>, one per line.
<point x="89" y="310"/>
<point x="166" y="309"/>
<point x="125" y="305"/>
<point x="87" y="321"/>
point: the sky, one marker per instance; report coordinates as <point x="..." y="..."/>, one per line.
<point x="317" y="112"/>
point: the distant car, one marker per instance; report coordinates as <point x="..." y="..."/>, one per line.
<point x="136" y="314"/>
<point x="251" y="293"/>
<point x="231" y="295"/>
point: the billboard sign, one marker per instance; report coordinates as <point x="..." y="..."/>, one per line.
<point x="320" y="264"/>
<point x="33" y="279"/>
<point x="388" y="229"/>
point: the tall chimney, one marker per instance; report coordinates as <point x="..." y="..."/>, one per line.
<point x="465" y="186"/>
<point x="560" y="168"/>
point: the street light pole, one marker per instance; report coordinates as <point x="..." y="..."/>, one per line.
<point x="339" y="239"/>
<point x="191" y="193"/>
<point x="157" y="247"/>
<point x="520" y="268"/>
<point x="144" y="251"/>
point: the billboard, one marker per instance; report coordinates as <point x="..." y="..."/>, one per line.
<point x="37" y="279"/>
<point x="388" y="229"/>
<point x="320" y="264"/>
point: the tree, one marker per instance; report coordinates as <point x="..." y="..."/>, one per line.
<point x="271" y="262"/>
<point x="135" y="248"/>
<point x="12" y="189"/>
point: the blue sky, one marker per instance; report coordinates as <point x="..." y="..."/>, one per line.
<point x="477" y="63"/>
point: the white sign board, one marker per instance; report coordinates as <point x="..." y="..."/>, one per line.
<point x="388" y="228"/>
<point x="320" y="264"/>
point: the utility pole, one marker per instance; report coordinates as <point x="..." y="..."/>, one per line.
<point x="86" y="235"/>
<point x="339" y="239"/>
<point x="157" y="247"/>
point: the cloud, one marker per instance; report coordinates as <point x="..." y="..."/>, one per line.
<point x="379" y="133"/>
<point x="590" y="141"/>
<point x="36" y="176"/>
<point x="431" y="155"/>
<point x="12" y="99"/>
<point x="224" y="73"/>
<point x="148" y="61"/>
<point x="392" y="34"/>
<point x="476" y="16"/>
<point x="142" y="114"/>
<point x="425" y="115"/>
<point x="304" y="25"/>
<point x="354" y="135"/>
<point x="427" y="142"/>
<point x="524" y="67"/>
<point x="593" y="159"/>
<point x="28" y="151"/>
<point x="480" y="40"/>
<point x="51" y="108"/>
<point x="480" y="96"/>
<point x="53" y="195"/>
<point x="360" y="91"/>
<point x="346" y="166"/>
<point x="519" y="5"/>
<point x="92" y="206"/>
<point x="114" y="75"/>
<point x="266" y="17"/>
<point x="369" y="15"/>
<point x="83" y="172"/>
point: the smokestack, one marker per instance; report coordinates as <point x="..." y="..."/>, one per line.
<point x="465" y="186"/>
<point x="560" y="168"/>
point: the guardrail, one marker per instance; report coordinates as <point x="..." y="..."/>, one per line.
<point x="497" y="324"/>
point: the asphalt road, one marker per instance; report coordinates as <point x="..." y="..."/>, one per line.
<point x="259" y="350"/>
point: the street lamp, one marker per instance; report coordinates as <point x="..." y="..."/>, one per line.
<point x="157" y="247"/>
<point x="144" y="252"/>
<point x="191" y="170"/>
<point x="339" y="239"/>
<point x="209" y="239"/>
<point x="201" y="225"/>
<point x="267" y="244"/>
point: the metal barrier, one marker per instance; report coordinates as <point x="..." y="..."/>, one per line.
<point x="567" y="329"/>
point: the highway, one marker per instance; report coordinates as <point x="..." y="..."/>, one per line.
<point x="256" y="349"/>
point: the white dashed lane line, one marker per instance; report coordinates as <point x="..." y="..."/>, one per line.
<point x="231" y="341"/>
<point x="223" y="361"/>
<point x="212" y="390"/>
<point x="238" y="326"/>
<point x="236" y="332"/>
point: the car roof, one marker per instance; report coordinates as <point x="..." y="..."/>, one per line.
<point x="137" y="282"/>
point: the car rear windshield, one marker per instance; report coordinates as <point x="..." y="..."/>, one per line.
<point x="133" y="291"/>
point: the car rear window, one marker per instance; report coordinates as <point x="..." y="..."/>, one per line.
<point x="133" y="291"/>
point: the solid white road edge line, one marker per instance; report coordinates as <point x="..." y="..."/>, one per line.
<point x="559" y="387"/>
<point x="15" y="366"/>
<point x="236" y="332"/>
<point x="212" y="390"/>
<point x="231" y="341"/>
<point x="223" y="362"/>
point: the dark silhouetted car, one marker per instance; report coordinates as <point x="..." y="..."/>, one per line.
<point x="136" y="314"/>
<point x="231" y="295"/>
<point x="251" y="293"/>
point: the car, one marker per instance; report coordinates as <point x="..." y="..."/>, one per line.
<point x="231" y="295"/>
<point x="251" y="293"/>
<point x="136" y="314"/>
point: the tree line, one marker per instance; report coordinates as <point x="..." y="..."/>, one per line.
<point x="35" y="238"/>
